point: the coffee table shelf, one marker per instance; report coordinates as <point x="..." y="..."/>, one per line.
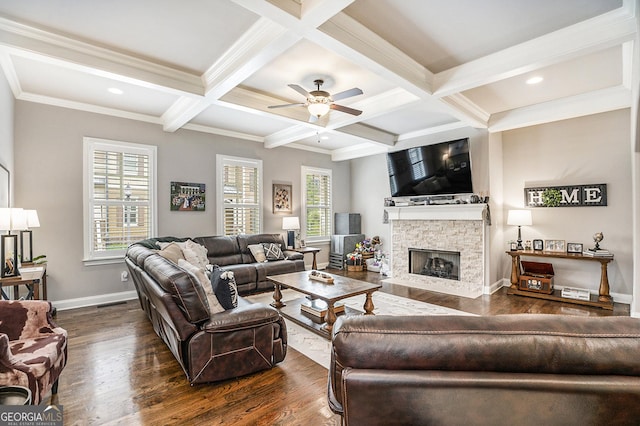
<point x="311" y="322"/>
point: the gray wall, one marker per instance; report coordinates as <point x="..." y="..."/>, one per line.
<point x="48" y="163"/>
<point x="593" y="149"/>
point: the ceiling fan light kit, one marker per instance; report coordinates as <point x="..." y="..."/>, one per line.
<point x="320" y="102"/>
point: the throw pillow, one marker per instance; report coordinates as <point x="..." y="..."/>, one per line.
<point x="172" y="252"/>
<point x="224" y="286"/>
<point x="258" y="252"/>
<point x="195" y="254"/>
<point x="273" y="251"/>
<point x="199" y="273"/>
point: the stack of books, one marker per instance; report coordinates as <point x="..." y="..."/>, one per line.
<point x="597" y="253"/>
<point x="319" y="307"/>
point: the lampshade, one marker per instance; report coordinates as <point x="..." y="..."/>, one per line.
<point x="318" y="109"/>
<point x="290" y="223"/>
<point x="32" y="219"/>
<point x="12" y="219"/>
<point x="519" y="218"/>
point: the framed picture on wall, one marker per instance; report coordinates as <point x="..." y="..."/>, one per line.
<point x="187" y="196"/>
<point x="282" y="200"/>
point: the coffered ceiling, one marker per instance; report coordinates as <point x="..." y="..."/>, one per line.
<point x="425" y="66"/>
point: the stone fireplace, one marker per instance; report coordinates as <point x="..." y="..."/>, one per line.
<point x="449" y="240"/>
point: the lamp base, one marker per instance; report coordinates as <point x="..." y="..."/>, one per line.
<point x="291" y="239"/>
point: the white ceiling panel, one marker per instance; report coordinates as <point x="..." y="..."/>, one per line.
<point x="560" y="81"/>
<point x="75" y="86"/>
<point x="238" y="121"/>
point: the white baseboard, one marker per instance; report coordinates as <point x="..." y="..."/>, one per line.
<point x="83" y="302"/>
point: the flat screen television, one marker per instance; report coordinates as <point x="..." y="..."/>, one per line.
<point x="439" y="169"/>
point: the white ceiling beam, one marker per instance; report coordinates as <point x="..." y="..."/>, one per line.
<point x="601" y="32"/>
<point x="263" y="42"/>
<point x="596" y="102"/>
<point x="23" y="40"/>
<point x="358" y="151"/>
<point x="432" y="131"/>
<point x="467" y="111"/>
<point x="10" y="73"/>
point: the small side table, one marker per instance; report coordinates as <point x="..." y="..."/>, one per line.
<point x="313" y="250"/>
<point x="31" y="276"/>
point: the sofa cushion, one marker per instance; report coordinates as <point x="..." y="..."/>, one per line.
<point x="195" y="253"/>
<point x="258" y="252"/>
<point x="201" y="275"/>
<point x="221" y="250"/>
<point x="248" y="239"/>
<point x="186" y="291"/>
<point x="273" y="251"/>
<point x="224" y="287"/>
<point x="172" y="252"/>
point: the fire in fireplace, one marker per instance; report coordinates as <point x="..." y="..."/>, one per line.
<point x="435" y="263"/>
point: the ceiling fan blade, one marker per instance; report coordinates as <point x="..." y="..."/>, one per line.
<point x="346" y="109"/>
<point x="346" y="94"/>
<point x="300" y="90"/>
<point x="285" y="105"/>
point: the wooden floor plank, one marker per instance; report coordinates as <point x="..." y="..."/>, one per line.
<point x="120" y="372"/>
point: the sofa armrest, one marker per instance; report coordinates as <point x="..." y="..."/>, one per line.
<point x="292" y="255"/>
<point x="244" y="316"/>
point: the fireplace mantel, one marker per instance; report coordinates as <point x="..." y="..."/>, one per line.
<point x="438" y="212"/>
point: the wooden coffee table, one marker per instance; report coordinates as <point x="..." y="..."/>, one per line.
<point x="342" y="288"/>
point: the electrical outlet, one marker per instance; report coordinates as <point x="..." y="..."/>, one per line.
<point x="124" y="276"/>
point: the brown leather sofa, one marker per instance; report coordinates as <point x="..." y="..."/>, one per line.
<point x="209" y="347"/>
<point x="499" y="370"/>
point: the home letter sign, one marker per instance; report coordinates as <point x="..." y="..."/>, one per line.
<point x="566" y="196"/>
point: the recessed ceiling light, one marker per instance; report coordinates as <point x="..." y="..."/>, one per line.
<point x="115" y="91"/>
<point x="535" y="80"/>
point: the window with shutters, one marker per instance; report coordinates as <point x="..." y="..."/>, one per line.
<point x="119" y="197"/>
<point x="239" y="195"/>
<point x="317" y="203"/>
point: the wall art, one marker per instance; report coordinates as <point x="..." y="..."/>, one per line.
<point x="282" y="200"/>
<point x="187" y="196"/>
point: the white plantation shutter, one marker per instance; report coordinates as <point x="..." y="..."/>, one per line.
<point x="317" y="203"/>
<point x="239" y="195"/>
<point x="119" y="196"/>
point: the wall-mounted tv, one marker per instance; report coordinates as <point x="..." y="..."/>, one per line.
<point x="439" y="169"/>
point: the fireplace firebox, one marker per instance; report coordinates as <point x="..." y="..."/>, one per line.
<point x="435" y="263"/>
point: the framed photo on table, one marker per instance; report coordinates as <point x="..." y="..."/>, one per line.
<point x="538" y="245"/>
<point x="557" y="246"/>
<point x="574" y="248"/>
<point x="282" y="201"/>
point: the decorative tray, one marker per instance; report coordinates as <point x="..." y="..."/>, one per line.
<point x="321" y="276"/>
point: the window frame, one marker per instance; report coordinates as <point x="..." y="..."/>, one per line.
<point x="221" y="161"/>
<point x="305" y="171"/>
<point x="90" y="145"/>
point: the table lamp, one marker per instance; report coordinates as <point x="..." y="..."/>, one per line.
<point x="291" y="224"/>
<point x="32" y="222"/>
<point x="11" y="219"/>
<point x="519" y="218"/>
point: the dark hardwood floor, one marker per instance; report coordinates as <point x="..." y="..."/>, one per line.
<point x="120" y="372"/>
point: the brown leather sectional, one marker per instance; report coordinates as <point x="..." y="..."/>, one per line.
<point x="499" y="370"/>
<point x="211" y="347"/>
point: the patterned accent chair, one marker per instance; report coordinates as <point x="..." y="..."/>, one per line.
<point x="33" y="349"/>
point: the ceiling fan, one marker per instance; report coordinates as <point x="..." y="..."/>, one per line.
<point x="320" y="102"/>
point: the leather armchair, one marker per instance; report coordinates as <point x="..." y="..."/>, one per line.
<point x="33" y="349"/>
<point x="498" y="370"/>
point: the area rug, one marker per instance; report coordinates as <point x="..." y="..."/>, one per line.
<point x="318" y="348"/>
